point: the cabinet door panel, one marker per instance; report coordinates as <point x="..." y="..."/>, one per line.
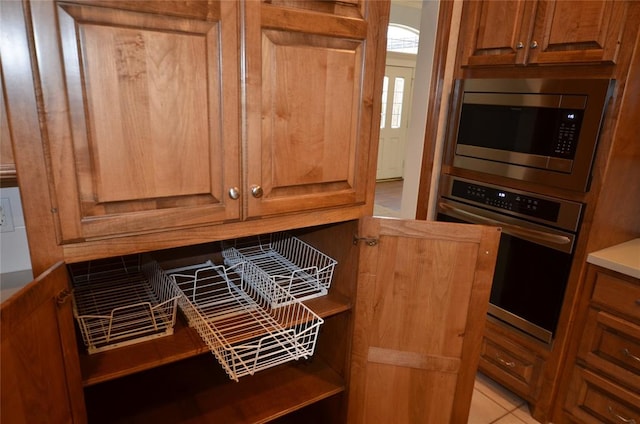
<point x="578" y="31"/>
<point x="423" y="293"/>
<point x="309" y="107"/>
<point x="143" y="132"/>
<point x="501" y="32"/>
<point x="40" y="368"/>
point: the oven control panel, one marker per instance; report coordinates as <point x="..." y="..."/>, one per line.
<point x="507" y="200"/>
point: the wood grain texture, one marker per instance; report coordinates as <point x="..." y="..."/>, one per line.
<point x="494" y="30"/>
<point x="136" y="133"/>
<point x="571" y="32"/>
<point x="24" y="125"/>
<point x="311" y="83"/>
<point x="200" y="392"/>
<point x="422" y="296"/>
<point x="40" y="371"/>
<point x="542" y="32"/>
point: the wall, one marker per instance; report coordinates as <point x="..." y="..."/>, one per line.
<point x="15" y="264"/>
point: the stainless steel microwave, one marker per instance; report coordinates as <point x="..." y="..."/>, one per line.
<point x="539" y="130"/>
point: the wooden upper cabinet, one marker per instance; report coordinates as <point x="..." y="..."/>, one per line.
<point x="141" y="113"/>
<point x="310" y="103"/>
<point x="497" y="32"/>
<point x="541" y="32"/>
<point x="577" y="31"/>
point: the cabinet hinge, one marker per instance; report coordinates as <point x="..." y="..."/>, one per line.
<point x="368" y="241"/>
<point x="62" y="297"/>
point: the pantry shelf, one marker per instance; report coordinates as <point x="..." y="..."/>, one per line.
<point x="201" y="389"/>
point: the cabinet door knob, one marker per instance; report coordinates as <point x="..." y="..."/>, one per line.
<point x="256" y="191"/>
<point x="520" y="45"/>
<point x="534" y="44"/>
<point x="509" y="364"/>
<point x="234" y="193"/>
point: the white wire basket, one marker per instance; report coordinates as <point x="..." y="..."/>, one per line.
<point x="119" y="301"/>
<point x="241" y="329"/>
<point x="301" y="270"/>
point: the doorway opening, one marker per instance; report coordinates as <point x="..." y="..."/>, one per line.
<point x="402" y="48"/>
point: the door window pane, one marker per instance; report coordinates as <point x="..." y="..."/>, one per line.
<point x="398" y="92"/>
<point x="385" y="91"/>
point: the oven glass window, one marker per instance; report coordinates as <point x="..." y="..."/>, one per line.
<point x="530" y="281"/>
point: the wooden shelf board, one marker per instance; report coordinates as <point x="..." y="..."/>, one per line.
<point x="104" y="366"/>
<point x="197" y="391"/>
<point x="184" y="343"/>
<point x="328" y="305"/>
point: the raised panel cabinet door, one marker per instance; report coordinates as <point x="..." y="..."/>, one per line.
<point x="314" y="72"/>
<point x="423" y="293"/>
<point x="497" y="32"/>
<point x="141" y="113"/>
<point x="40" y="376"/>
<point x="569" y="31"/>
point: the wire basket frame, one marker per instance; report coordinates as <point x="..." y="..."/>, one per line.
<point x="301" y="270"/>
<point x="118" y="302"/>
<point x="241" y="329"/>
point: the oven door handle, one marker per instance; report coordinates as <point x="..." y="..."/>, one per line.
<point x="516" y="230"/>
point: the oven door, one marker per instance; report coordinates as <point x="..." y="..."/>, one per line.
<point x="531" y="271"/>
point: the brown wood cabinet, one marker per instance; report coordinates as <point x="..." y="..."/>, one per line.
<point x="605" y="373"/>
<point x="309" y="104"/>
<point x="187" y="115"/>
<point x="142" y="109"/>
<point x="166" y="127"/>
<point x="527" y="32"/>
<point x="513" y="364"/>
<point x="408" y="296"/>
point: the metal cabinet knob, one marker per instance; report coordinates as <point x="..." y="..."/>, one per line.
<point x="534" y="44"/>
<point x="256" y="191"/>
<point x="520" y="45"/>
<point x="234" y="193"/>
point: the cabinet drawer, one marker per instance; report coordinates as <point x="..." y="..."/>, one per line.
<point x="612" y="344"/>
<point x="512" y="365"/>
<point x="593" y="399"/>
<point x="618" y="294"/>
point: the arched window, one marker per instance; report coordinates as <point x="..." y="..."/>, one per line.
<point x="402" y="39"/>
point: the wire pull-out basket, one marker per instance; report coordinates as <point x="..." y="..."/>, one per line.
<point x="119" y="301"/>
<point x="291" y="264"/>
<point x="244" y="332"/>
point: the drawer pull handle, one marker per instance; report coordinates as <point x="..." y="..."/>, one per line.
<point x="509" y="364"/>
<point x="620" y="417"/>
<point x="628" y="354"/>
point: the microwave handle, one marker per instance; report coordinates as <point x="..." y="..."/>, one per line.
<point x="526" y="233"/>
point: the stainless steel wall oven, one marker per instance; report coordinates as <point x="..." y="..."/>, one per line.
<point x="536" y="248"/>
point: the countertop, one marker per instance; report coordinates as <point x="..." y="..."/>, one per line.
<point x="623" y="258"/>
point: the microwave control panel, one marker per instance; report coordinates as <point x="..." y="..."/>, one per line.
<point x="567" y="133"/>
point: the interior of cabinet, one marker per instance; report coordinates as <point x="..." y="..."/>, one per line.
<point x="175" y="378"/>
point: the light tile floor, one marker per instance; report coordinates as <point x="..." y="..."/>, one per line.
<point x="492" y="403"/>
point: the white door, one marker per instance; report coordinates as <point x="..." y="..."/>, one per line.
<point x="394" y="120"/>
